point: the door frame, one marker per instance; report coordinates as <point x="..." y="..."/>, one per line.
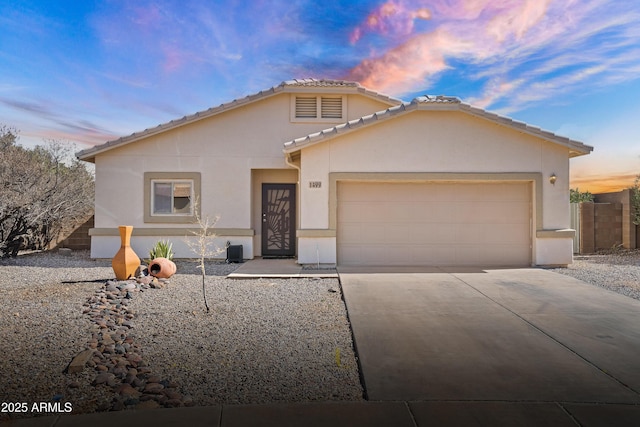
<point x="291" y="251"/>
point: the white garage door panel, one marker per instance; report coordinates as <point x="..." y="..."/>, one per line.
<point x="434" y="224"/>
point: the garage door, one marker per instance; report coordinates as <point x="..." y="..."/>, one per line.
<point x="444" y="224"/>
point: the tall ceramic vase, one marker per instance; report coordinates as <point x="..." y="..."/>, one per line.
<point x="125" y="262"/>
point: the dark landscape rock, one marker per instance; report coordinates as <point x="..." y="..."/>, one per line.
<point x="102" y="378"/>
<point x="79" y="362"/>
<point x="113" y="354"/>
<point x="153" y="388"/>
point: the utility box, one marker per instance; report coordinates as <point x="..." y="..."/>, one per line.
<point x="234" y="253"/>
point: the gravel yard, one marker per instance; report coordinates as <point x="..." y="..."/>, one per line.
<point x="618" y="271"/>
<point x="263" y="340"/>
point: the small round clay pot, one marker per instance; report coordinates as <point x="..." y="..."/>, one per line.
<point x="162" y="268"/>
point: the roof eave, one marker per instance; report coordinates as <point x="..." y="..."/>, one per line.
<point x="439" y="103"/>
<point x="89" y="154"/>
<point x="288" y="86"/>
<point x="348" y="127"/>
<point x="576" y="148"/>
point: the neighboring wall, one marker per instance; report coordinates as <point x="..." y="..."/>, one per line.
<point x="628" y="228"/>
<point x="606" y="223"/>
<point x="600" y="226"/>
<point x="79" y="238"/>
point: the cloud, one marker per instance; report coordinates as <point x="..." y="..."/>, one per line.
<point x="473" y="31"/>
<point x="408" y="65"/>
<point x="81" y="130"/>
<point x="132" y="82"/>
<point x="394" y="18"/>
<point x="30" y="107"/>
<point x="84" y="139"/>
<point x="604" y="182"/>
<point x="510" y="47"/>
<point x="169" y="37"/>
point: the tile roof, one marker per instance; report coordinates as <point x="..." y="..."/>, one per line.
<point x="442" y="103"/>
<point x="320" y="83"/>
<point x="288" y="85"/>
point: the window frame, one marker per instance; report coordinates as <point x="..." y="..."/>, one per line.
<point x="319" y="110"/>
<point x="150" y="178"/>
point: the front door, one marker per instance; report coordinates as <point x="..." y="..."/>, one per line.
<point x="278" y="220"/>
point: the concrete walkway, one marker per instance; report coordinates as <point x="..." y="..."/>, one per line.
<point x="282" y="268"/>
<point x="460" y="347"/>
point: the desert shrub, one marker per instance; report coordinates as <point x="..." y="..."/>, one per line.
<point x="43" y="191"/>
<point x="577" y="196"/>
<point x="635" y="201"/>
<point x="162" y="249"/>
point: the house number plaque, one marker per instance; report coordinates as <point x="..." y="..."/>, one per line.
<point x="315" y="184"/>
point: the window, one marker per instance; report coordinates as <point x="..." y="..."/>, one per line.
<point x="318" y="108"/>
<point x="170" y="197"/>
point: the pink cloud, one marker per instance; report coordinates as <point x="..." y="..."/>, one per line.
<point x="496" y="89"/>
<point x="472" y="30"/>
<point x="517" y="20"/>
<point x="83" y="138"/>
<point x="394" y="18"/>
<point x="173" y="58"/>
<point x="149" y="16"/>
<point x="409" y="64"/>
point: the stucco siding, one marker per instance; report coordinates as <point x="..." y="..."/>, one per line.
<point x="235" y="149"/>
<point x="451" y="143"/>
<point x="436" y="142"/>
<point x="121" y="201"/>
<point x="555" y="161"/>
<point x="224" y="149"/>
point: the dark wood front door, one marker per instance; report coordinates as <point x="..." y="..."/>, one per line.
<point x="278" y="220"/>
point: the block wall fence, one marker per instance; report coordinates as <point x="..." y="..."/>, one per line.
<point x="605" y="223"/>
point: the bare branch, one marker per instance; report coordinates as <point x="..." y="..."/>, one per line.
<point x="202" y="246"/>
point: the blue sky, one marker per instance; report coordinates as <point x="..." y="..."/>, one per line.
<point x="90" y="71"/>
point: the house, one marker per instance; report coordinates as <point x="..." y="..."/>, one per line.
<point x="328" y="171"/>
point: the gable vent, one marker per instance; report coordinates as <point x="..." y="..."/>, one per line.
<point x="306" y="107"/>
<point x="331" y="108"/>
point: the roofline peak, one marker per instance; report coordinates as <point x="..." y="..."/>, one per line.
<point x="437" y="99"/>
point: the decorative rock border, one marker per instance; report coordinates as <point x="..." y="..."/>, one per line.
<point x="114" y="355"/>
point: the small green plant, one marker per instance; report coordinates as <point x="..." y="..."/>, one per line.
<point x="162" y="249"/>
<point x="635" y="201"/>
<point x="576" y="196"/>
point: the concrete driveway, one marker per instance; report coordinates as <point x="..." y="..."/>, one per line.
<point x="518" y="335"/>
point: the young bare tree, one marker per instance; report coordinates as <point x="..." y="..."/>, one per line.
<point x="42" y="191"/>
<point x="202" y="245"/>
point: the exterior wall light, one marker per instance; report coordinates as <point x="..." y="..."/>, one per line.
<point x="553" y="178"/>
